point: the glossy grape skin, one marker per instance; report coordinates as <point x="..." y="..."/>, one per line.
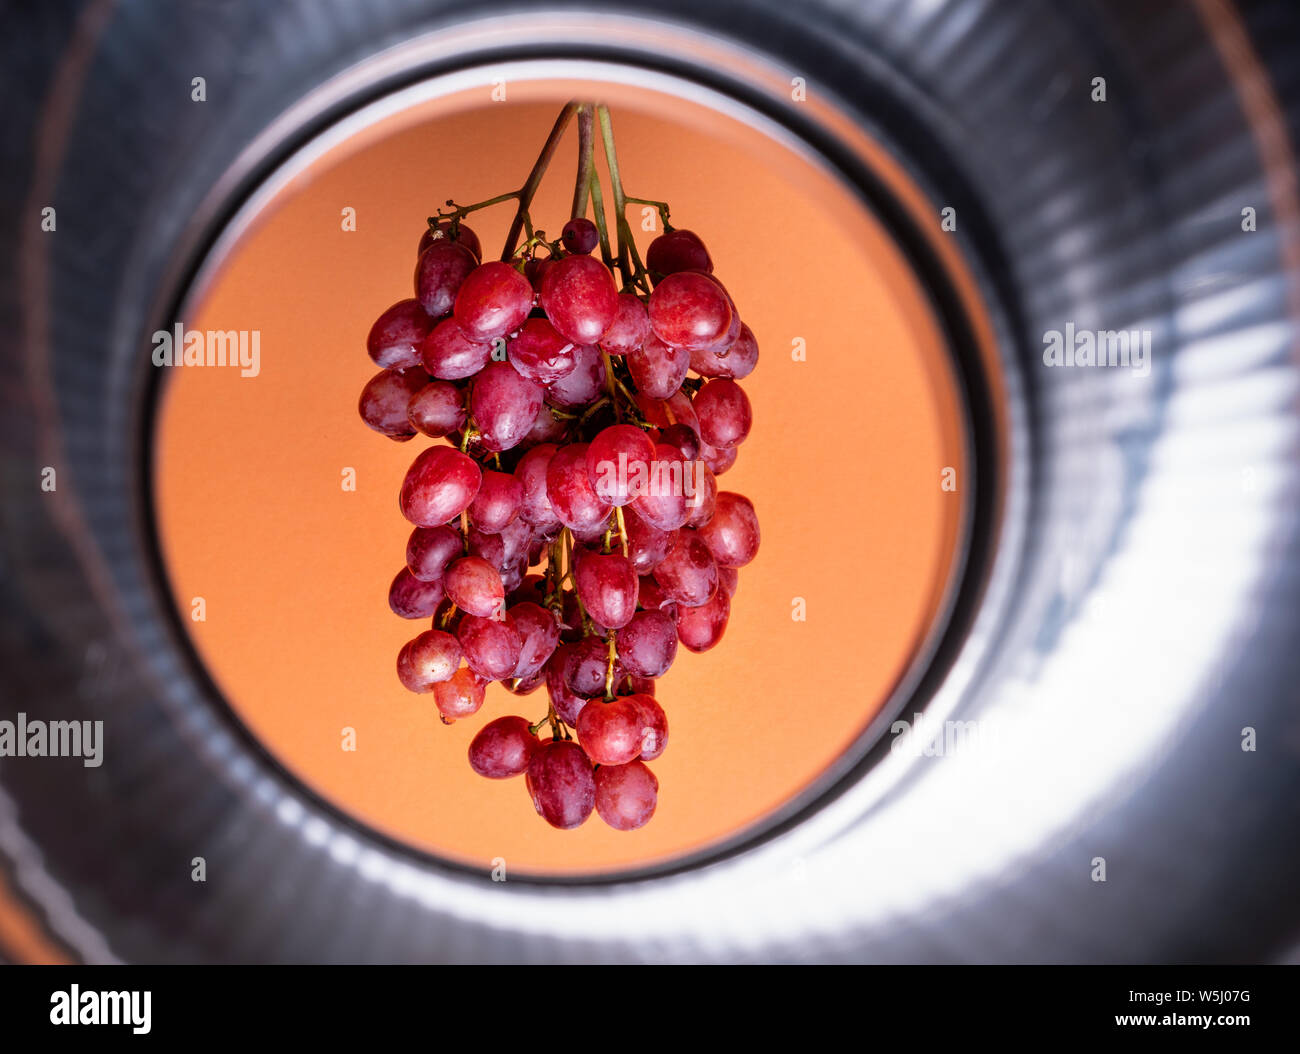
<point x="504" y="405"/>
<point x="430" y="549"/>
<point x="682" y="438"/>
<point x="448" y="355"/>
<point x="732" y="534"/>
<point x="525" y="685"/>
<point x="493" y="301"/>
<point x="580" y="235"/>
<point x="618" y="463"/>
<point x="535" y="505"/>
<point x="701" y="503"/>
<point x="626" y="795"/>
<point x="735" y="361"/>
<point x="437" y="409"/>
<point x="384" y="401"/>
<point x="503" y="748"/>
<point x="654" y="722"/>
<point x="548" y="428"/>
<point x="676" y="409"/>
<point x="491" y="648"/>
<point x="729" y="579"/>
<point x="607" y="587"/>
<point x="464" y="236"/>
<point x="718" y="460"/>
<point x="491" y="548"/>
<point x="395" y="338"/>
<point x="429" y="659"/>
<point x="584" y="385"/>
<point x="568" y="487"/>
<point x="474" y="585"/>
<point x="412" y="598"/>
<point x="652" y="597"/>
<point x="647" y="545"/>
<point x="658" y="369"/>
<point x="665" y="503"/>
<point x="461" y="695"/>
<point x="630" y="327"/>
<point x="516" y="540"/>
<point x="439" y="485"/>
<point x="580" y="298"/>
<point x="610" y="732"/>
<point x="568" y="703"/>
<point x="539" y="634"/>
<point x="535" y="269"/>
<point x="688" y="574"/>
<point x="561" y="784"/>
<point x="497" y="502"/>
<point x="647" y="645"/>
<point x="540" y="354"/>
<point x="700" y="628"/>
<point x="689" y="310"/>
<point x="586" y="665"/>
<point x="439" y="274"/>
<point x="679" y="250"/>
<point x="724" y="412"/>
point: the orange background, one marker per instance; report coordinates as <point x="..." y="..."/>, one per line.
<point x="843" y="465"/>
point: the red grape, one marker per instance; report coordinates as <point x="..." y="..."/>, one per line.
<point x="573" y="498"/>
<point x="580" y="298"/>
<point x="426" y="661"/>
<point x="584" y="385"/>
<point x="689" y="310"/>
<point x="626" y="795"/>
<point x="504" y="405"/>
<point x="497" y="503"/>
<point x="646" y="544"/>
<point x="610" y="732"/>
<point x="464" y="236"/>
<point x="688" y="574"/>
<point x="654" y="722"/>
<point x="561" y="784"/>
<point x="460" y="695"/>
<point x="437" y="409"/>
<point x="540" y="354"/>
<point x="539" y="633"/>
<point x="491" y="648"/>
<point x="503" y="748"/>
<point x="474" y="585"/>
<point x="439" y="274"/>
<point x="736" y="361"/>
<point x="535" y="505"/>
<point x="385" y="398"/>
<point x="630" y="327"/>
<point x="580" y="235"/>
<point x="410" y="597"/>
<point x="657" y="368"/>
<point x="395" y="338"/>
<point x="450" y="356"/>
<point x="678" y="250"/>
<point x="704" y="494"/>
<point x="607" y="587"/>
<point x="724" y="413"/>
<point x="618" y="463"/>
<point x="568" y="703"/>
<point x="429" y="550"/>
<point x="439" y="485"/>
<point x="493" y="301"/>
<point x="700" y="628"/>
<point x="647" y="645"/>
<point x="732" y="533"/>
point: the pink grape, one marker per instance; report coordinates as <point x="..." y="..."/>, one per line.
<point x="491" y="648"/>
<point x="618" y="463"/>
<point x="474" y="585"/>
<point x="678" y="250"/>
<point x="626" y="795"/>
<point x="724" y="413"/>
<point x="689" y="310"/>
<point x="385" y="398"/>
<point x="561" y="784"/>
<point x="410" y="597"/>
<point x="607" y="587"/>
<point x="450" y="356"/>
<point x="503" y="748"/>
<point x="647" y="645"/>
<point x="540" y="354"/>
<point x="437" y="409"/>
<point x="732" y="534"/>
<point x="439" y="486"/>
<point x="688" y="574"/>
<point x="440" y="273"/>
<point x="493" y="301"/>
<point x="461" y="695"/>
<point x="395" y="338"/>
<point x="610" y="732"/>
<point x="429" y="659"/>
<point x="430" y="549"/>
<point x="580" y="298"/>
<point x="700" y="628"/>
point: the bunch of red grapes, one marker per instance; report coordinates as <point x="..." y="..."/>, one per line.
<point x="570" y="533"/>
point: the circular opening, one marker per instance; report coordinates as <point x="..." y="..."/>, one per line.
<point x="279" y="570"/>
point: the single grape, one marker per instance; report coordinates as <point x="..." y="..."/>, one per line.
<point x="491" y="548"/>
<point x="568" y="704"/>
<point x="493" y="301"/>
<point x="460" y="695"/>
<point x="584" y="385"/>
<point x="610" y="732"/>
<point x="503" y="748"/>
<point x="561" y="784"/>
<point x="586" y="666"/>
<point x="737" y="360"/>
<point x="395" y="338"/>
<point x="647" y="545"/>
<point x="689" y="310"/>
<point x="428" y="660"/>
<point x="654" y="722"/>
<point x="464" y="236"/>
<point x="626" y="795"/>
<point x="437" y="409"/>
<point x="539" y="634"/>
<point x="607" y="587"/>
<point x="666" y="502"/>
<point x="497" y="502"/>
<point x="630" y="327"/>
<point x="430" y="549"/>
<point x="385" y="398"/>
<point x="580" y="298"/>
<point x="700" y="628"/>
<point x="580" y="235"/>
<point x="618" y="463"/>
<point x="439" y="274"/>
<point x="540" y="354"/>
<point x="688" y="574"/>
<point x="450" y="356"/>
<point x="491" y="648"/>
<point x="439" y="486"/>
<point x="678" y="250"/>
<point x="658" y="369"/>
<point x="474" y="585"/>
<point x="732" y="534"/>
<point x="647" y="645"/>
<point x="504" y="405"/>
<point x="409" y="597"/>
<point x="535" y="505"/>
<point x="568" y="487"/>
<point x="724" y="413"/>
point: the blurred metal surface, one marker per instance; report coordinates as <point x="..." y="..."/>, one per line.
<point x="1139" y="612"/>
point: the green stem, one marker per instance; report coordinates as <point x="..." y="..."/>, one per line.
<point x="598" y="210"/>
<point x="620" y="202"/>
<point x="586" y="161"/>
<point x="529" y="189"/>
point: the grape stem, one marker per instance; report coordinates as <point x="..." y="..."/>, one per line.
<point x="529" y="189"/>
<point x="609" y="668"/>
<point x="586" y="160"/>
<point x="629" y="260"/>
